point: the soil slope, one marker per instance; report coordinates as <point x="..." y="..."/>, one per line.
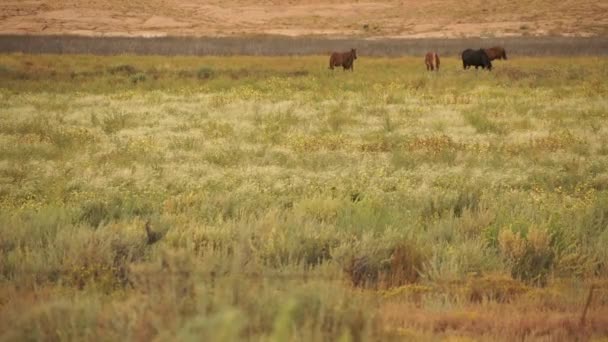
<point x="382" y="19"/>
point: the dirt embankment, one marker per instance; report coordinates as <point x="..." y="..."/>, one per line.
<point x="371" y="19"/>
<point x="281" y="45"/>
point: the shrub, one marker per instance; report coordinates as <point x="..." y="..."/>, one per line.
<point x="315" y="251"/>
<point x="98" y="211"/>
<point x="530" y="259"/>
<point x="4" y="71"/>
<point x="406" y="263"/>
<point x="305" y="250"/>
<point x="224" y="156"/>
<point x="138" y="78"/>
<point x="114" y="122"/>
<point x="387" y="268"/>
<point x="312" y="311"/>
<point x="482" y="124"/>
<point x="205" y="73"/>
<point x="94" y="213"/>
<point x="216" y="129"/>
<point x="467" y="199"/>
<point x="494" y="287"/>
<point x="337" y="118"/>
<point x="124" y="69"/>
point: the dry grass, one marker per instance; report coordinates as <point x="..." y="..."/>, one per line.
<point x="492" y="322"/>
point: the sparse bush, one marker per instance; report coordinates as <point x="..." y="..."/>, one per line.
<point x="418" y="83"/>
<point x="321" y="209"/>
<point x="4" y="71"/>
<point x="226" y="156"/>
<point x="482" y="124"/>
<point x="308" y="251"/>
<point x="337" y="118"/>
<point x="138" y="78"/>
<point x="467" y="199"/>
<point x="494" y="287"/>
<point x="114" y="122"/>
<point x="386" y="268"/>
<point x="58" y="319"/>
<point x="205" y="73"/>
<point x="304" y="143"/>
<point x="96" y="212"/>
<point x="124" y="69"/>
<point x="531" y="258"/>
<point x="216" y="129"/>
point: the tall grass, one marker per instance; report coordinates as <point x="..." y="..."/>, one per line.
<point x="287" y="202"/>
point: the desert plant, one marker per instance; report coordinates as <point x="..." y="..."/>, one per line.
<point x="125" y="69"/>
<point x="205" y="73"/>
<point x="138" y="78"/>
<point x="531" y="258"/>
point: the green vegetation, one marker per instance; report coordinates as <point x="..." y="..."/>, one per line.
<point x="293" y="203"/>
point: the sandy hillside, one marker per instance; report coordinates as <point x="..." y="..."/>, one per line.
<point x="407" y="18"/>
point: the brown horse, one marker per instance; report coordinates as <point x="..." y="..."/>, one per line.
<point x="497" y="52"/>
<point x="431" y="59"/>
<point x="344" y="59"/>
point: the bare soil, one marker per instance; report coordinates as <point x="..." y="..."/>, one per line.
<point x="339" y="19"/>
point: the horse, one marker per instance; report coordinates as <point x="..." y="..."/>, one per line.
<point x="431" y="59"/>
<point x="344" y="59"/>
<point x="496" y="52"/>
<point x="476" y="58"/>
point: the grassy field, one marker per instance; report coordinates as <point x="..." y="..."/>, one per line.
<point x="287" y="202"/>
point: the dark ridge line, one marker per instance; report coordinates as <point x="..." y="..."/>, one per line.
<point x="281" y="45"/>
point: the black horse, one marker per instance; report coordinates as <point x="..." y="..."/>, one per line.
<point x="476" y="58"/>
